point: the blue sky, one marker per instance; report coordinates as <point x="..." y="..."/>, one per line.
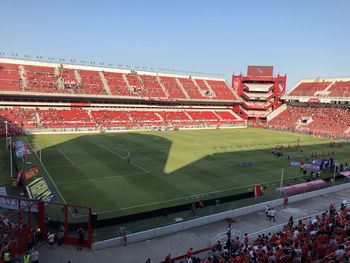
<point x="301" y="38"/>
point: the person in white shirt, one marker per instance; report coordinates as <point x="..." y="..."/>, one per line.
<point x="314" y="221"/>
<point x="295" y="234"/>
<point x="51" y="239"/>
<point x="271" y="214"/>
<point x="339" y="252"/>
<point x="34" y="255"/>
<point x="267" y="208"/>
<point x="297" y="255"/>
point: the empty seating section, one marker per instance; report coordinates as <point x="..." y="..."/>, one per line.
<point x="203" y="87"/>
<point x="41" y="79"/>
<point x="68" y="75"/>
<point x="190" y="88"/>
<point x="9" y="77"/>
<point x="54" y="118"/>
<point x="172" y="87"/>
<point x="309" y="88"/>
<point x="117" y="84"/>
<point x="314" y="120"/>
<point x="91" y="82"/>
<point x="152" y="86"/>
<point x="135" y="84"/>
<point x="144" y="118"/>
<point x="176" y="118"/>
<point x="226" y="115"/>
<point x="203" y="115"/>
<point x="221" y="90"/>
<point x="339" y="89"/>
<point x="214" y="118"/>
<point x="61" y="79"/>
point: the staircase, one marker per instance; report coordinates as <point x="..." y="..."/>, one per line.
<point x="92" y="120"/>
<point x="142" y="84"/>
<point x="127" y="82"/>
<point x="22" y="74"/>
<point x="59" y="82"/>
<point x="159" y="116"/>
<point x="233" y="92"/>
<point x="325" y="91"/>
<point x="77" y="76"/>
<point x="105" y="83"/>
<point x="198" y="88"/>
<point x="236" y="115"/>
<point x="182" y="88"/>
<point x="37" y="119"/>
<point x="217" y="115"/>
<point x="212" y="93"/>
<point x="189" y="116"/>
<point x="276" y="112"/>
<point x="163" y="87"/>
<point x="130" y="118"/>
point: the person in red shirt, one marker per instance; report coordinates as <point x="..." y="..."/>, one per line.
<point x="190" y="253"/>
<point x="167" y="259"/>
<point x="285" y="201"/>
<point x="246" y="239"/>
<point x="237" y="259"/>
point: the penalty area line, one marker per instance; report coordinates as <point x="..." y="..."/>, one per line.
<point x="103" y="178"/>
<point x="59" y="166"/>
<point x="188" y="197"/>
<point x="65" y="156"/>
<point x="122" y="157"/>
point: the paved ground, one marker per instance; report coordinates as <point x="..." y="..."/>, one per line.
<point x="178" y="244"/>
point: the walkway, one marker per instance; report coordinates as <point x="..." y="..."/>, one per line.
<point x="179" y="243"/>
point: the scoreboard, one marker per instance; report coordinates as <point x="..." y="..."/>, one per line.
<point x="260" y="71"/>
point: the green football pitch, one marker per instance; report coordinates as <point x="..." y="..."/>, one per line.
<point x="121" y="174"/>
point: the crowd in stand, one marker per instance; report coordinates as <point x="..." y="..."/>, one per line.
<point x="325" y="238"/>
<point x="127" y="118"/>
<point x="19" y="116"/>
<point x="15" y="239"/>
<point x="314" y="120"/>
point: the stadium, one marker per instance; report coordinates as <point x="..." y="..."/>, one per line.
<point x="104" y="156"/>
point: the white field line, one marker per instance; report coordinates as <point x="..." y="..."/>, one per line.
<point x="122" y="157"/>
<point x="59" y="166"/>
<point x="185" y="197"/>
<point x="127" y="152"/>
<point x="102" y="178"/>
<point x="169" y="200"/>
<point x="65" y="156"/>
<point x="58" y="191"/>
